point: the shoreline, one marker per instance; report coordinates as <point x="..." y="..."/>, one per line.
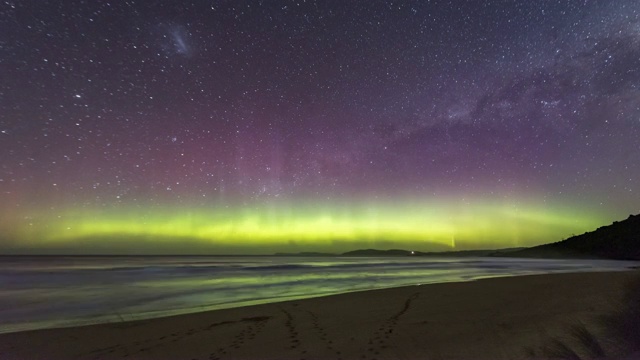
<point x="487" y="318"/>
<point x="117" y="318"/>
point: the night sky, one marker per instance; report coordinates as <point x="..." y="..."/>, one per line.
<point x="261" y="126"/>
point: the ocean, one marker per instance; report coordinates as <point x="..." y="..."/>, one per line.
<point x="57" y="291"/>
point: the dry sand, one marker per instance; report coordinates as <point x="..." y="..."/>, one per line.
<point x="487" y="319"/>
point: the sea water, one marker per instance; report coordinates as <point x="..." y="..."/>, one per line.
<point x="55" y="291"/>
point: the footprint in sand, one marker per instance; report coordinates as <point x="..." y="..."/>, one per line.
<point x="254" y="326"/>
<point x="378" y="342"/>
<point x="322" y="334"/>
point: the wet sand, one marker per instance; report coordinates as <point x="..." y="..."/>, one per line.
<point x="487" y="319"/>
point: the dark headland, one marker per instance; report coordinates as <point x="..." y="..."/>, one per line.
<point x="619" y="241"/>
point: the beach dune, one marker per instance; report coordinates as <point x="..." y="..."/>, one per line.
<point x="499" y="318"/>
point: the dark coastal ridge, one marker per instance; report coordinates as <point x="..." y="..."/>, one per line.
<point x="618" y="241"/>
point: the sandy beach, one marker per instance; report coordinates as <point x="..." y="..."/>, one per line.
<point x="499" y="318"/>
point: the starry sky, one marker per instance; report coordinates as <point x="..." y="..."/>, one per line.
<point x="258" y="126"/>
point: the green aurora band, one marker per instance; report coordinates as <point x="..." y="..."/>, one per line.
<point x="312" y="226"/>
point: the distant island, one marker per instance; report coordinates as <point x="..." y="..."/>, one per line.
<point x="306" y="253"/>
<point x="618" y="241"/>
<point x="400" y="252"/>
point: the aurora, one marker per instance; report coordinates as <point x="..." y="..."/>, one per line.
<point x="318" y="226"/>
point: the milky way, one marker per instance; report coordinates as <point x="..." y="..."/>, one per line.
<point x="251" y="127"/>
